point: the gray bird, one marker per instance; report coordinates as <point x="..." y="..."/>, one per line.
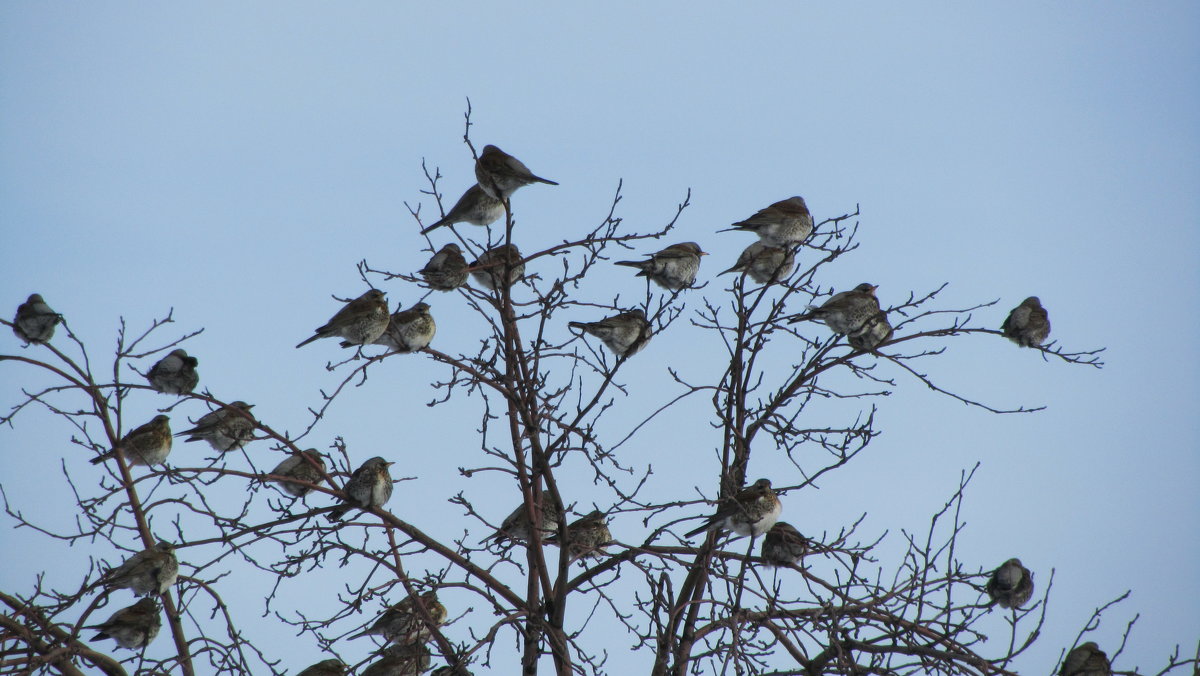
<point x="149" y="444"/>
<point x="331" y="667"/>
<point x="764" y="263"/>
<point x="475" y="207"/>
<point x="174" y="373"/>
<point x="401" y="660"/>
<point x="1086" y="660"/>
<point x="783" y="545"/>
<point x="149" y="572"/>
<point x="226" y="429"/>
<point x="586" y="537"/>
<point x="846" y="311"/>
<point x="360" y="321"/>
<point x="402" y="623"/>
<point x="500" y="174"/>
<point x="408" y="330"/>
<point x="447" y="270"/>
<point x="516" y="526"/>
<point x="1011" y="585"/>
<point x="132" y="627"/>
<point x="625" y="334"/>
<point x="35" y="321"/>
<point x="751" y="512"/>
<point x="304" y="466"/>
<point x="875" y="331"/>
<point x="489" y="268"/>
<point x="673" y="268"/>
<point x="784" y="224"/>
<point x="369" y="486"/>
<point x="1028" y="325"/>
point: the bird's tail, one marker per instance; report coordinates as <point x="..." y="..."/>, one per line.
<point x="435" y="226"/>
<point x="99" y="459"/>
<point x="641" y="265"/>
<point x="337" y="514"/>
<point x="308" y="340"/>
<point x="699" y="530"/>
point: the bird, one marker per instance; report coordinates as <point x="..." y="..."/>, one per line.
<point x="783" y="545"/>
<point x="1028" y="325"/>
<point x="765" y="263"/>
<point x="673" y="268"/>
<point x="586" y="537"/>
<point x="360" y="321"/>
<point x="226" y="429"/>
<point x="35" y="321"/>
<point x="475" y="206"/>
<point x="369" y="486"/>
<point x="132" y="627"/>
<point x="782" y="224"/>
<point x="447" y="270"/>
<point x="625" y="333"/>
<point x="330" y="667"/>
<point x="1011" y="585"/>
<point x="846" y="311"/>
<point x="451" y="671"/>
<point x="516" y="525"/>
<point x="872" y="333"/>
<point x="174" y="373"/>
<point x="303" y="466"/>
<point x="1086" y="660"/>
<point x="411" y="659"/>
<point x="149" y="444"/>
<point x="408" y="330"/>
<point x="150" y="572"/>
<point x="500" y="174"/>
<point x="751" y="512"/>
<point x="489" y="268"/>
<point x="403" y="623"/>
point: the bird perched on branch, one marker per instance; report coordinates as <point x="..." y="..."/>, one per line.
<point x="401" y="660"/>
<point x="475" y="207"/>
<point x="783" y="545"/>
<point x="369" y="486"/>
<point x="149" y="444"/>
<point x="846" y="311"/>
<point x="489" y="268"/>
<point x="35" y="321"/>
<point x="132" y="627"/>
<point x="1086" y="660"/>
<point x="174" y="373"/>
<point x="1028" y="325"/>
<point x="500" y="174"/>
<point x="1011" y="585"/>
<point x="875" y="331"/>
<point x="329" y="667"/>
<point x="409" y="330"/>
<point x="403" y="623"/>
<point x="625" y="334"/>
<point x="586" y="537"/>
<point x="673" y="268"/>
<point x="764" y="263"/>
<point x="360" y="321"/>
<point x="783" y="224"/>
<point x="751" y="512"/>
<point x="149" y="572"/>
<point x="451" y="671"/>
<point x="516" y="525"/>
<point x="226" y="429"/>
<point x="303" y="466"/>
<point x="447" y="270"/>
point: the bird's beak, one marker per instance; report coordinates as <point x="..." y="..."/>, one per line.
<point x="390" y="464"/>
<point x="703" y="253"/>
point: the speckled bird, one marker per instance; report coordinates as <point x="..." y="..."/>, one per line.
<point x="447" y="270"/>
<point x="764" y="263"/>
<point x="625" y="334"/>
<point x="1011" y="585"/>
<point x="408" y="330"/>
<point x="149" y="572"/>
<point x="673" y="268"/>
<point x="402" y="623"/>
<point x="783" y="545"/>
<point x="149" y="444"/>
<point x="297" y="467"/>
<point x="132" y="627"/>
<point x="751" y="512"/>
<point x="516" y="525"/>
<point x="359" y="322"/>
<point x="845" y="312"/>
<point x="784" y="223"/>
<point x="226" y="429"/>
<point x="1086" y="660"/>
<point x="500" y="174"/>
<point x="410" y="659"/>
<point x="35" y="321"/>
<point x="369" y="486"/>
<point x="875" y="331"/>
<point x="1028" y="325"/>
<point x="586" y="537"/>
<point x="174" y="373"/>
<point x="330" y="667"/>
<point x="489" y="268"/>
<point x="475" y="207"/>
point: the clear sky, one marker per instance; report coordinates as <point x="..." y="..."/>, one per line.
<point x="235" y="161"/>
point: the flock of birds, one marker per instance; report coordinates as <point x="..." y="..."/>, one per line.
<point x="406" y="626"/>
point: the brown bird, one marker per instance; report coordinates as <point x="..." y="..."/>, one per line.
<point x="1086" y="660"/>
<point x="1011" y="585"/>
<point x="35" y="321"/>
<point x="360" y="321"/>
<point x="625" y="334"/>
<point x="226" y="429"/>
<point x="875" y="331"/>
<point x="447" y="270"/>
<point x="783" y="224"/>
<point x="149" y="444"/>
<point x="500" y="174"/>
<point x="844" y="312"/>
<point x="1028" y="325"/>
<point x="401" y="660"/>
<point x="673" y="268"/>
<point x="764" y="263"/>
<point x="325" y="668"/>
<point x="751" y="512"/>
<point x="408" y="330"/>
<point x="586" y="537"/>
<point x="475" y="207"/>
<point x="783" y="545"/>
<point x="304" y="466"/>
<point x="149" y="572"/>
<point x="369" y="486"/>
<point x="403" y="623"/>
<point x="132" y="627"/>
<point x="451" y="671"/>
<point x="174" y="373"/>
<point x="516" y="525"/>
<point x="489" y="268"/>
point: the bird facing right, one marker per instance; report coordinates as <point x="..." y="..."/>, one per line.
<point x="625" y="333"/>
<point x="1028" y="325"/>
<point x="475" y="207"/>
<point x="35" y="321"/>
<point x="369" y="486"/>
<point x="303" y="466"/>
<point x="1011" y="585"/>
<point x="586" y="537"/>
<point x="1086" y="660"/>
<point x="673" y="268"/>
<point x="408" y="330"/>
<point x="174" y="373"/>
<point x="132" y="627"/>
<point x="516" y="525"/>
<point x="845" y="312"/>
<point x="359" y="322"/>
<point x="764" y="263"/>
<point x="226" y="429"/>
<point x="500" y="174"/>
<point x="403" y="623"/>
<point x="783" y="224"/>
<point x="411" y="659"/>
<point x="149" y="572"/>
<point x="783" y="545"/>
<point x="331" y="667"/>
<point x="752" y="511"/>
<point x="149" y="444"/>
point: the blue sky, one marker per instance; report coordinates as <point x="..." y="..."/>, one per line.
<point x="235" y="162"/>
